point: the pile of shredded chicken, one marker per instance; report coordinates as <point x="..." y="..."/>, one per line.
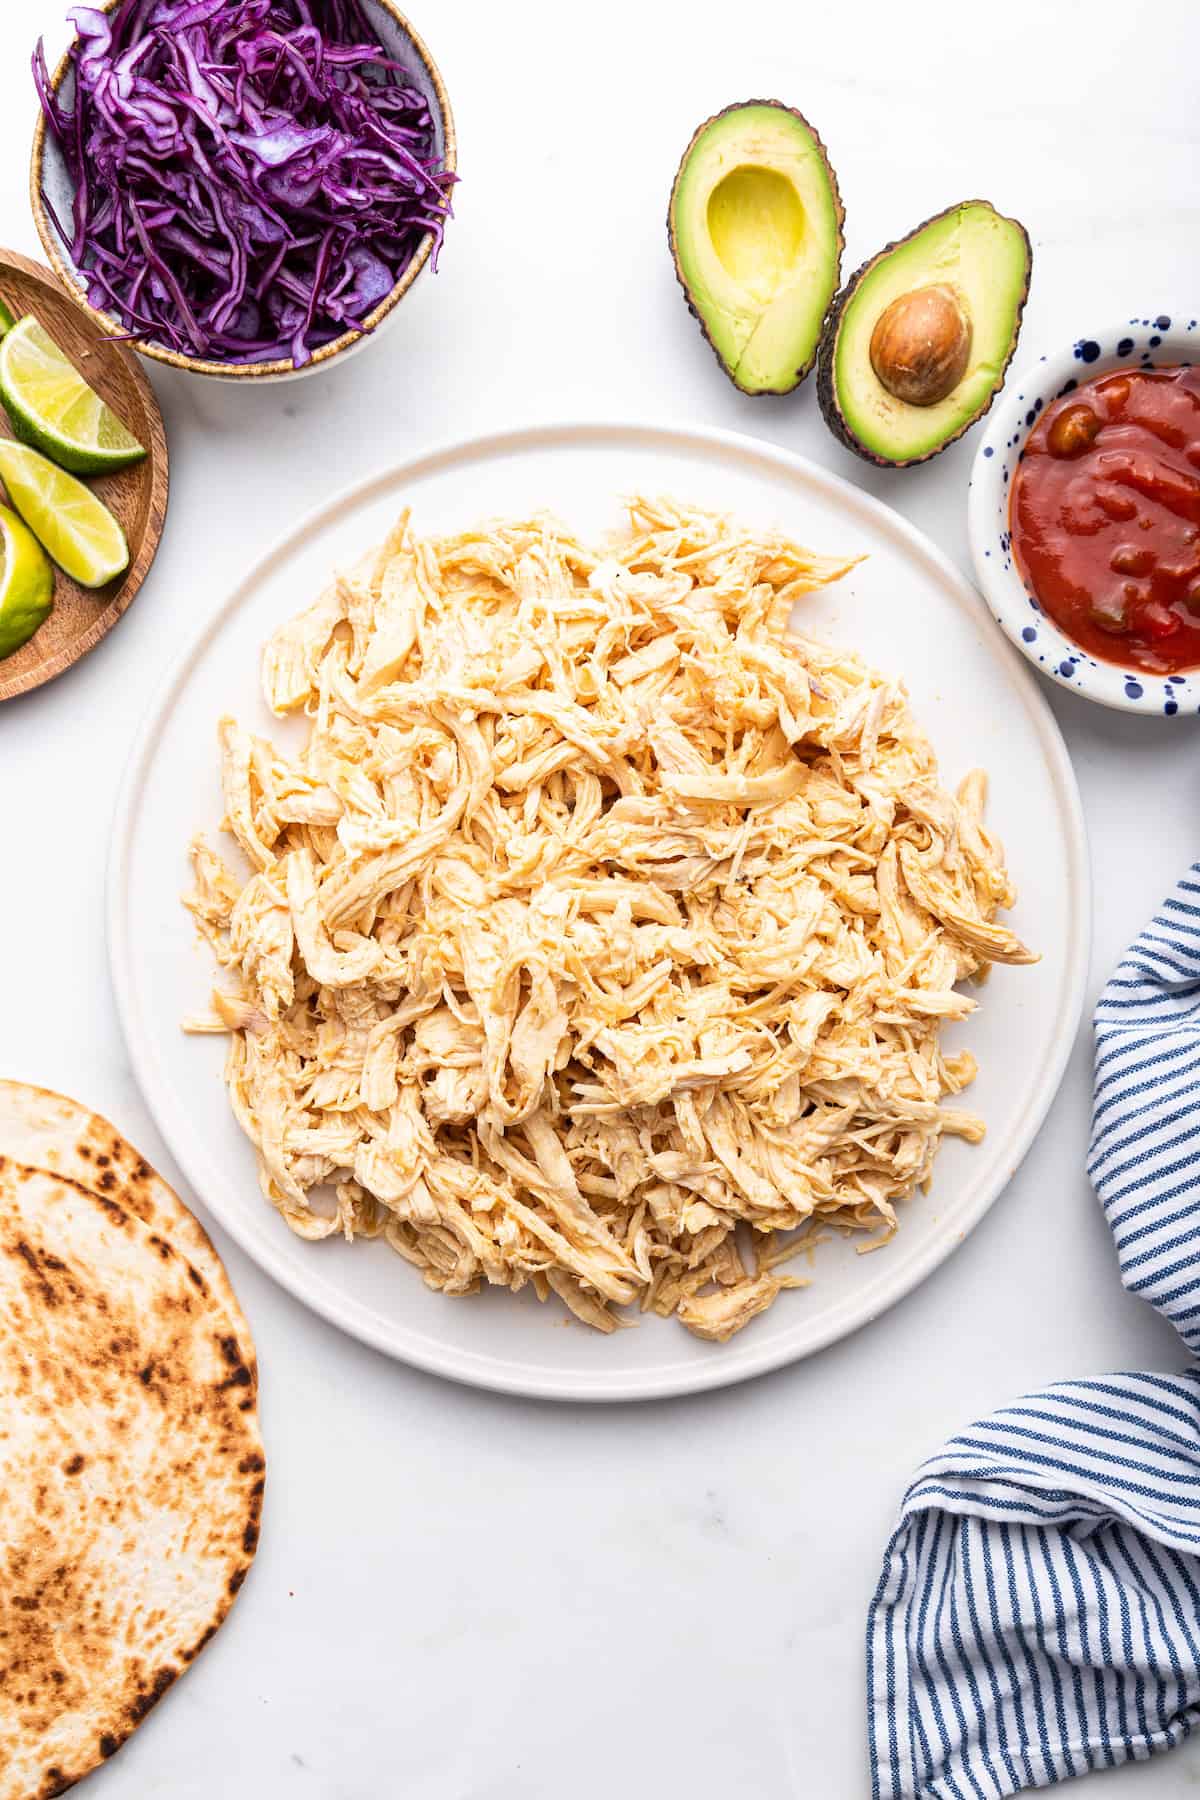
<point x="602" y="930"/>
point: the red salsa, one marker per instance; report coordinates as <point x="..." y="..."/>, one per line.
<point x="1105" y="517"/>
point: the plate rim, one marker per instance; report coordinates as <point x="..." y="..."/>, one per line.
<point x="512" y="1376"/>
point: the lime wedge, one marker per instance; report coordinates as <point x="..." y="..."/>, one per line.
<point x="77" y="529"/>
<point x="51" y="406"/>
<point x="6" y="319"/>
<point x="26" y="583"/>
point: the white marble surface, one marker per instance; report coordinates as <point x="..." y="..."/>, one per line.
<point x="462" y="1596"/>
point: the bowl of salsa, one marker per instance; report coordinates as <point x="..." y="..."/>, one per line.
<point x="1084" y="514"/>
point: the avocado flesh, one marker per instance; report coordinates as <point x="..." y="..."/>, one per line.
<point x="756" y="231"/>
<point x="986" y="258"/>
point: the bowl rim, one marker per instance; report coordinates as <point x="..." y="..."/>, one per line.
<point x="198" y="365"/>
<point x="1114" y="685"/>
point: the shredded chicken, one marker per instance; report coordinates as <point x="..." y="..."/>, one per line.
<point x="602" y="929"/>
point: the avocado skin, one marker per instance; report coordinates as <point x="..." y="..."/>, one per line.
<point x="826" y="394"/>
<point x="736" y="106"/>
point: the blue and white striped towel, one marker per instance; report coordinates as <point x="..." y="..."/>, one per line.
<point x="1038" y="1614"/>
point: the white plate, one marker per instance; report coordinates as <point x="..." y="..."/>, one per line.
<point x="907" y="609"/>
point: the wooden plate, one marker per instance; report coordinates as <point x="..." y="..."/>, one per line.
<point x="138" y="495"/>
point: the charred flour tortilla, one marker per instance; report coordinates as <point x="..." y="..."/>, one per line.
<point x="49" y="1131"/>
<point x="131" y="1469"/>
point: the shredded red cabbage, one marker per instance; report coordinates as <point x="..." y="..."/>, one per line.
<point x="251" y="176"/>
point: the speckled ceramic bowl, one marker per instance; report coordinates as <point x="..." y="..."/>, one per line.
<point x="48" y="172"/>
<point x="1160" y="340"/>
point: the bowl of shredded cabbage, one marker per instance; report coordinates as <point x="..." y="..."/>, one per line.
<point x="243" y="189"/>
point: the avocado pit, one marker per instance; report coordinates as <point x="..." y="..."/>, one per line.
<point x="921" y="345"/>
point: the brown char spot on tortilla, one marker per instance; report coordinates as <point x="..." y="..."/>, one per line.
<point x="206" y="1637"/>
<point x="153" y="1694"/>
<point x="29" y="1258"/>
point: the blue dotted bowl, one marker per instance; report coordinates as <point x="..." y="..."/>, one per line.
<point x="1159" y="341"/>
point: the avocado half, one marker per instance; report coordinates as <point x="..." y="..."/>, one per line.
<point x="755" y="226"/>
<point x="976" y="262"/>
